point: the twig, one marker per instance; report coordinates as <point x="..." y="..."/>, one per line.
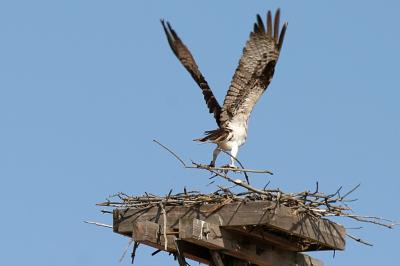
<point x="156" y="252"/>
<point x="243" y="170"/>
<point x="207" y="167"/>
<point x="239" y="183"/>
<point x="354" y="228"/>
<point x="133" y="254"/>
<point x="98" y="224"/>
<point x="266" y="185"/>
<point x="170" y="151"/>
<point x="372" y="219"/>
<point x="359" y="240"/>
<point x="316" y="188"/>
<point x="351" y="191"/>
<point x="126" y="250"/>
<point x="241" y="165"/>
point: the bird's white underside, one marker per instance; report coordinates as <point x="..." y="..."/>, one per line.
<point x="236" y="138"/>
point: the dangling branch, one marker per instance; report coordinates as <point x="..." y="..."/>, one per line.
<point x="133" y="254"/>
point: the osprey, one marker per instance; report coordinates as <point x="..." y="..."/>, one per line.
<point x="251" y="79"/>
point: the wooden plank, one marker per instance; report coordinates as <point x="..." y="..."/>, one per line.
<point x="325" y="234"/>
<point x="214" y="237"/>
<point x="149" y="233"/>
<point x="289" y="243"/>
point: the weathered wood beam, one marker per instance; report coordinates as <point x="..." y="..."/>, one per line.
<point x="325" y="234"/>
<point x="214" y="237"/>
<point x="216" y="258"/>
<point x="225" y="260"/>
<point x="179" y="252"/>
<point x="286" y="242"/>
<point x="151" y="234"/>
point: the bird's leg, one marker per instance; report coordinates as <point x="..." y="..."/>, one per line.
<point x="234" y="152"/>
<point x="215" y="155"/>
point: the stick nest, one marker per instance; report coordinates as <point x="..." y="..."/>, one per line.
<point x="314" y="203"/>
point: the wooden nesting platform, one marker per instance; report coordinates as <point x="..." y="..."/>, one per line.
<point x="260" y="232"/>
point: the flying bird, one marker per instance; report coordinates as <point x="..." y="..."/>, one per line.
<point x="252" y="77"/>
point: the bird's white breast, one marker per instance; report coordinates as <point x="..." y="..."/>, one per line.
<point x="237" y="137"/>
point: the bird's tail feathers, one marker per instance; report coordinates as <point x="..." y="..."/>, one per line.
<point x="215" y="136"/>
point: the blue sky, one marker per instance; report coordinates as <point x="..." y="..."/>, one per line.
<point x="86" y="85"/>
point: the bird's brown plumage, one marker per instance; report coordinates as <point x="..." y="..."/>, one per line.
<point x="187" y="60"/>
<point x="255" y="70"/>
<point x="252" y="77"/>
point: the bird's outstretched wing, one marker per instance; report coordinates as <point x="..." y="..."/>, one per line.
<point x="187" y="60"/>
<point x="255" y="70"/>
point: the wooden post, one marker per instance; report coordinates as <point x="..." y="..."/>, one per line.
<point x="179" y="252"/>
<point x="216" y="258"/>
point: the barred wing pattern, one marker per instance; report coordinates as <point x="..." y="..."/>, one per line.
<point x="255" y="70"/>
<point x="187" y="60"/>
